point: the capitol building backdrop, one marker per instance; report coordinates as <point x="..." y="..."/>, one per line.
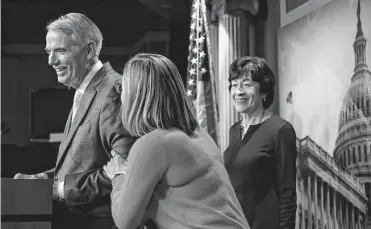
<point x="326" y="94"/>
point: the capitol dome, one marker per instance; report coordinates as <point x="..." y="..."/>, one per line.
<point x="353" y="144"/>
<point x="356" y="103"/>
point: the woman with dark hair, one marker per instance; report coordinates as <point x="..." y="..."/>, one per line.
<point x="174" y="173"/>
<point x="261" y="156"/>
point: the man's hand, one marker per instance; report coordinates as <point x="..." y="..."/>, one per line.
<point x="117" y="165"/>
<point x="58" y="191"/>
<point x="32" y="176"/>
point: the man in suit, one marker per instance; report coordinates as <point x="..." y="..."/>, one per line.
<point x="81" y="188"/>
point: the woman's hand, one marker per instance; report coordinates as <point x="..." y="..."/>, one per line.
<point x="117" y="165"/>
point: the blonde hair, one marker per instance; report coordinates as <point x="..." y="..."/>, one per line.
<point x="153" y="96"/>
<point x="81" y="28"/>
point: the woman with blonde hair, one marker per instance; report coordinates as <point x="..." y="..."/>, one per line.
<point x="174" y="174"/>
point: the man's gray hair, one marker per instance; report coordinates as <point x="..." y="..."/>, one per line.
<point x="81" y="28"/>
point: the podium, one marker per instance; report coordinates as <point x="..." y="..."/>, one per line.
<point x="26" y="204"/>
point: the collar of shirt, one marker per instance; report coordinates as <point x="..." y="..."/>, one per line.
<point x="89" y="77"/>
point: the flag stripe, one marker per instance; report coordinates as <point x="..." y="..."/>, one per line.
<point x="209" y="109"/>
<point x="200" y="78"/>
<point x="213" y="111"/>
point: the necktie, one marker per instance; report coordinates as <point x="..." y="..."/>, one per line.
<point x="76" y="101"/>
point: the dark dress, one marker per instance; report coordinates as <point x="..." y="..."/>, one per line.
<point x="262" y="170"/>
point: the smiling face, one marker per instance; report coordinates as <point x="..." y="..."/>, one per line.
<point x="246" y="94"/>
<point x="68" y="59"/>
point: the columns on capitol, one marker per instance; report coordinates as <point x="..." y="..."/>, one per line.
<point x="232" y="24"/>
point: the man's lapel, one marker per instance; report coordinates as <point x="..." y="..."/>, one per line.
<point x="84" y="105"/>
<point x="65" y="134"/>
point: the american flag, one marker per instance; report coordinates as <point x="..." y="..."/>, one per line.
<point x="200" y="77"/>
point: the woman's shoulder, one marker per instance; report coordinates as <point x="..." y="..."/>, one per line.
<point x="148" y="141"/>
<point x="280" y="127"/>
<point x="163" y="136"/>
<point x="276" y="122"/>
<point x="175" y="139"/>
<point x="165" y="142"/>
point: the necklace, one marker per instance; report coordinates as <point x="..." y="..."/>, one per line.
<point x="242" y="127"/>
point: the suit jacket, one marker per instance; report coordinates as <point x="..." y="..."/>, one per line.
<point x="88" y="140"/>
